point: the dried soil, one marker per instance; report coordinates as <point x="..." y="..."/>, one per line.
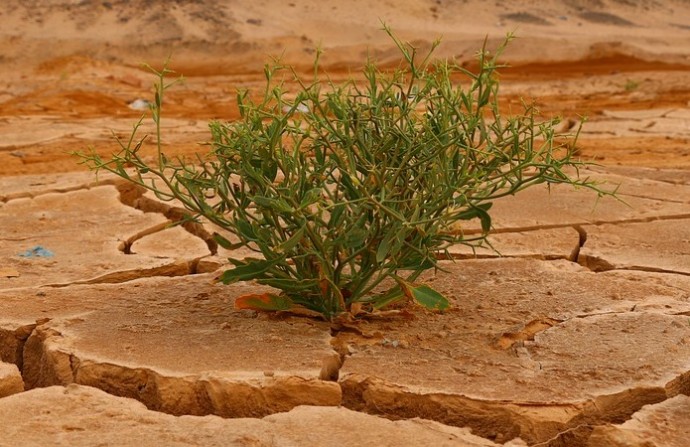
<point x="577" y="336"/>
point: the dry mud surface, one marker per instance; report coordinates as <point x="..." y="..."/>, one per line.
<point x="114" y="332"/>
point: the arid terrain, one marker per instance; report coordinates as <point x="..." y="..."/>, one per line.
<point x="114" y="332"/>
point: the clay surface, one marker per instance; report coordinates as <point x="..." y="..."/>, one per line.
<point x="572" y="328"/>
<point x="664" y="424"/>
<point x="81" y="416"/>
<point x="10" y="380"/>
<point x="534" y="347"/>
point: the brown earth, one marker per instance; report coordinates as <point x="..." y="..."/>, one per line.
<point x="577" y="336"/>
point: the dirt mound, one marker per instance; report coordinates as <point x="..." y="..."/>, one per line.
<point x="206" y="37"/>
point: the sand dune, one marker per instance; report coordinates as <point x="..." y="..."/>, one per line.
<point x="212" y="37"/>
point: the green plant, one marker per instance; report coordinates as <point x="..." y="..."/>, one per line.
<point x="344" y="188"/>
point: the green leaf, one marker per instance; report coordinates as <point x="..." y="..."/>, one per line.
<point x="335" y="107"/>
<point x="355" y="238"/>
<point x="319" y="154"/>
<point x="398" y="241"/>
<point x="485" y="219"/>
<point x="226" y="244"/>
<point x="383" y="250"/>
<point x="423" y="295"/>
<point x="346" y="182"/>
<point x="310" y="197"/>
<point x="246" y="230"/>
<point x="390" y="297"/>
<point x="472" y="212"/>
<point x="479" y="211"/>
<point x="415" y="261"/>
<point x="278" y="205"/>
<point x="248" y="270"/>
<point x="269" y="169"/>
<point x="290" y="284"/>
<point x="429" y="298"/>
<point x="336" y="214"/>
<point x="292" y="242"/>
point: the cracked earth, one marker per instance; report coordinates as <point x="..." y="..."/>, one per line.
<point x="574" y="330"/>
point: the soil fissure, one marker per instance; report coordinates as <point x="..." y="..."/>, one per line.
<point x="133" y="196"/>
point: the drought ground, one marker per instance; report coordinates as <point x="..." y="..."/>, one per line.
<point x="111" y="324"/>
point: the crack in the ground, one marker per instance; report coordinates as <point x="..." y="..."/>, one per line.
<point x="148" y="384"/>
<point x="527" y="332"/>
<point x="469" y="256"/>
<point x="501" y="421"/>
<point x="572" y="257"/>
<point x="658" y="199"/>
<point x="599" y="265"/>
<point x="601" y="410"/>
<point x="179" y="268"/>
<point x="133" y="196"/>
<point x="498" y="421"/>
<point x="576" y="435"/>
<point x="582" y="239"/>
<point x="126" y="245"/>
<point x="58" y="190"/>
<point x="528" y="228"/>
<point x="599" y="169"/>
<point x="12" y="343"/>
<point x="14" y="239"/>
<point x="42" y="364"/>
<point x="613" y="116"/>
<point x="331" y="367"/>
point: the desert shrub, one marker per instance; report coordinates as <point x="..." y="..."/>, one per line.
<point x="342" y="188"/>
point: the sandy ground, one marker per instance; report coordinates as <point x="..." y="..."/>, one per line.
<point x="69" y="71"/>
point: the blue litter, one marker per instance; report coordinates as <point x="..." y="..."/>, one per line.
<point x="37" y="252"/>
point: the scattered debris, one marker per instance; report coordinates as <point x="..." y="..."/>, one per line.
<point x="139" y="104"/>
<point x="37" y="252"/>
